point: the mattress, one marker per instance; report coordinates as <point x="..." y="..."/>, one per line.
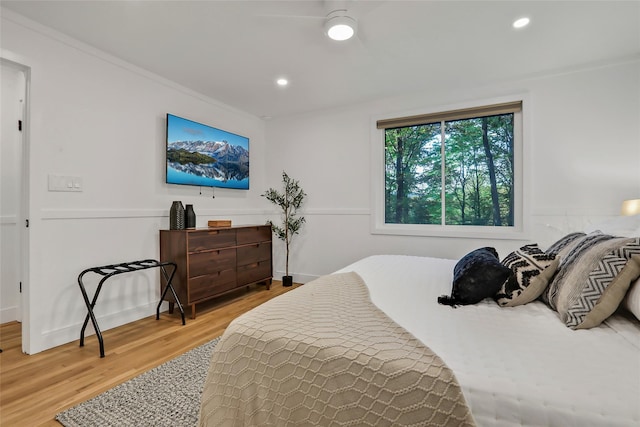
<point x="517" y="366"/>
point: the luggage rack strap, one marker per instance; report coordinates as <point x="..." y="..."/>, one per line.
<point x="111" y="270"/>
<point x="124" y="267"/>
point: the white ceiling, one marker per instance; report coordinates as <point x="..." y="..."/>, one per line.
<point x="233" y="51"/>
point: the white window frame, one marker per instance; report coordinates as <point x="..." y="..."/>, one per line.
<point x="522" y="161"/>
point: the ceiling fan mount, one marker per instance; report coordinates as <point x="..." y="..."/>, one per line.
<point x="339" y="25"/>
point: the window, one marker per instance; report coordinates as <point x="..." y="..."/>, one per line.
<point x="457" y="172"/>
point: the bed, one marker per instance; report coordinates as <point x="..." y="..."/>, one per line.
<point x="510" y="366"/>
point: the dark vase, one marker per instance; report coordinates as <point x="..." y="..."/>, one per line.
<point x="176" y="216"/>
<point x="190" y="216"/>
<point x="287" y="280"/>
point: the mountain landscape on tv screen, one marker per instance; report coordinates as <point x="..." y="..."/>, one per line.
<point x="218" y="160"/>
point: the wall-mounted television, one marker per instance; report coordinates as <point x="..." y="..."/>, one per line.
<point x="205" y="156"/>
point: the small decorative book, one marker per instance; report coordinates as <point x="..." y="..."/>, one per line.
<point x="219" y="223"/>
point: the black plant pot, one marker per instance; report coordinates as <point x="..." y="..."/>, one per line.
<point x="287" y="280"/>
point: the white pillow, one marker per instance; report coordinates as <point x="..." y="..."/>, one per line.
<point x="623" y="226"/>
<point x="632" y="300"/>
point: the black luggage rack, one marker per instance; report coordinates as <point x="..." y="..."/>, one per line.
<point x="126" y="267"/>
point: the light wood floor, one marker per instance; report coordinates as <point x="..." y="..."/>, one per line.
<point x="33" y="389"/>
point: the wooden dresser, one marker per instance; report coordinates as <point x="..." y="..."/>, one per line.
<point x="214" y="261"/>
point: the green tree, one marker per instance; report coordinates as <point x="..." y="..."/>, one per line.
<point x="492" y="172"/>
<point x="289" y="201"/>
<point x="478" y="179"/>
<point x="412" y="159"/>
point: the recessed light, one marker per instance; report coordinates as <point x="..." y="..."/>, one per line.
<point x="340" y="32"/>
<point x="522" y="22"/>
<point x="282" y="82"/>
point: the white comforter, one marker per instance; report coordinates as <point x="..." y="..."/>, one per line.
<point x="519" y="365"/>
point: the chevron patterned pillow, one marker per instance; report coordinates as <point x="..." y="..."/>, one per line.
<point x="593" y="279"/>
<point x="532" y="269"/>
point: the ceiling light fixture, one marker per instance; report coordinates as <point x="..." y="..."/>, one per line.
<point x="282" y="82"/>
<point x="522" y="22"/>
<point x="339" y="26"/>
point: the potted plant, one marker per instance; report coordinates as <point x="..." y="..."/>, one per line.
<point x="289" y="201"/>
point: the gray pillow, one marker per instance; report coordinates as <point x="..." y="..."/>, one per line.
<point x="565" y="244"/>
<point x="593" y="279"/>
<point x="560" y="249"/>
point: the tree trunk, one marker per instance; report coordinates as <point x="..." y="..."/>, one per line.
<point x="478" y="205"/>
<point x="399" y="181"/>
<point x="492" y="174"/>
<point x="286" y="264"/>
<point x="286" y="234"/>
<point x="511" y="201"/>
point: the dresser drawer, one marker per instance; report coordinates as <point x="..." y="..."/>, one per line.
<point x="211" y="239"/>
<point x="254" y="272"/>
<point x="214" y="261"/>
<point x="259" y="233"/>
<point x="203" y="287"/>
<point x="250" y="254"/>
<point x="203" y="263"/>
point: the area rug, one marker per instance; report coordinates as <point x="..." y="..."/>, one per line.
<point x="168" y="395"/>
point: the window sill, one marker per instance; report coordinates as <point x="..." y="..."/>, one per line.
<point x="451" y="231"/>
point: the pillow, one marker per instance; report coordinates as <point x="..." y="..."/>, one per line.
<point x="560" y="249"/>
<point x="623" y="226"/>
<point x="632" y="300"/>
<point x="593" y="278"/>
<point x="565" y="244"/>
<point x="532" y="270"/>
<point x="478" y="275"/>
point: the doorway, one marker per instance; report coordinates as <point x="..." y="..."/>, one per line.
<point x="13" y="193"/>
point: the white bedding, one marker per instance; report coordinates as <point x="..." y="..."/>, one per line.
<point x="518" y="365"/>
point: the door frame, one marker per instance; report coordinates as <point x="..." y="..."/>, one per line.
<point x="23" y="205"/>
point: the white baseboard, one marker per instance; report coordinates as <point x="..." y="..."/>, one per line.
<point x="54" y="338"/>
<point x="298" y="278"/>
<point x="8" y="314"/>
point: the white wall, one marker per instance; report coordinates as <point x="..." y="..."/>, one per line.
<point x="584" y="160"/>
<point x="99" y="118"/>
<point x="103" y="120"/>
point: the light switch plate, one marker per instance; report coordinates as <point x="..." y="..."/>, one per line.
<point x="65" y="183"/>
